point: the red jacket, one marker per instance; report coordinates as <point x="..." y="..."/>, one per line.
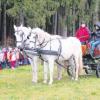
<point x="83" y="34"/>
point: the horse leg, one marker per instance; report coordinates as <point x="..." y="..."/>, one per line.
<point x="33" y="63"/>
<point x="51" y="67"/>
<point x="59" y="71"/>
<point x="45" y="72"/>
<point x="35" y="68"/>
<point x="72" y="66"/>
<point x="77" y="68"/>
<point x="81" y="71"/>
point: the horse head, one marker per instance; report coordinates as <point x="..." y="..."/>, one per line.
<point x="32" y="40"/>
<point x="41" y="34"/>
<point x="21" y="34"/>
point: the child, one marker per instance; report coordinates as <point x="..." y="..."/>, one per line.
<point x="13" y="59"/>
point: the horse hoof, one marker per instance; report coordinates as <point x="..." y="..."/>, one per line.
<point x="72" y="78"/>
<point x="76" y="79"/>
<point x="50" y="83"/>
<point x="59" y="78"/>
<point x="34" y="82"/>
<point x="45" y="82"/>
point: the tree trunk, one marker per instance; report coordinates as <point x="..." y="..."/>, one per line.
<point x="96" y="16"/>
<point x="55" y="23"/>
<point x="65" y="31"/>
<point x="0" y="23"/>
<point x="4" y="25"/>
<point x="73" y="14"/>
<point x="21" y="13"/>
<point x="21" y="17"/>
<point x="58" y="23"/>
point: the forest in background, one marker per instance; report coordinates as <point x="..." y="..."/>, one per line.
<point x="60" y="17"/>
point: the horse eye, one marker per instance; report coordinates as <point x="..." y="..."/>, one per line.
<point x="27" y="37"/>
<point x="36" y="36"/>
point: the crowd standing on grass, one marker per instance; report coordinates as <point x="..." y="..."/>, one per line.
<point x="12" y="58"/>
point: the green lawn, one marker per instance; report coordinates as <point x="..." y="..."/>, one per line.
<point x="17" y="85"/>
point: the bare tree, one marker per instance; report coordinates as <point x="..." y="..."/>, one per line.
<point x="96" y="16"/>
<point x="55" y="23"/>
<point x="4" y="24"/>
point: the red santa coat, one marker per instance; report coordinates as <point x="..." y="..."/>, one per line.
<point x="83" y="34"/>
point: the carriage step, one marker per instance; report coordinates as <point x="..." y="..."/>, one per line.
<point x="89" y="74"/>
<point x="96" y="57"/>
<point x="86" y="67"/>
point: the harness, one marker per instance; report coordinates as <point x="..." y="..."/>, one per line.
<point x="29" y="51"/>
<point x="70" y="60"/>
<point x="39" y="51"/>
<point x="21" y="35"/>
<point x="55" y="53"/>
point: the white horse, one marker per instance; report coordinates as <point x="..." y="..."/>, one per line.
<point x="21" y="34"/>
<point x="64" y="47"/>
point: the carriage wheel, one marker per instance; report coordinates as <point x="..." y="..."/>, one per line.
<point x="71" y="68"/>
<point x="98" y="71"/>
<point x="69" y="71"/>
<point x="87" y="71"/>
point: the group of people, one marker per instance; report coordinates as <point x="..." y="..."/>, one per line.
<point x="11" y="58"/>
<point x="86" y="36"/>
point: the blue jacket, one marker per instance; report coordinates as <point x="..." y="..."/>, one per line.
<point x="97" y="34"/>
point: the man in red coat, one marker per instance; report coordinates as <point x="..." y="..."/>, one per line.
<point x="83" y="33"/>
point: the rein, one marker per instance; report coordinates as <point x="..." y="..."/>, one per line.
<point x="69" y="64"/>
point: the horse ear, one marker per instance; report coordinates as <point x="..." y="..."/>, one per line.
<point x="15" y="28"/>
<point x="29" y="28"/>
<point x="21" y="25"/>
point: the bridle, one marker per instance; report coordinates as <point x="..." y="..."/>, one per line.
<point x="40" y="44"/>
<point x="22" y="36"/>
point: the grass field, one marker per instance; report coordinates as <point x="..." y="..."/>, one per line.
<point x="17" y="85"/>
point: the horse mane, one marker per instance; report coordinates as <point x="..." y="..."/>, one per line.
<point x="44" y="35"/>
<point x="41" y="34"/>
<point x="26" y="29"/>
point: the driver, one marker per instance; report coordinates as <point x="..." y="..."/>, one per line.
<point x="96" y="41"/>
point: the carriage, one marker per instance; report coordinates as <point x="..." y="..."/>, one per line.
<point x="91" y="61"/>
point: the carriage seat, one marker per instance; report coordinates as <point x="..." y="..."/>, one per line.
<point x="97" y="51"/>
<point x="84" y="48"/>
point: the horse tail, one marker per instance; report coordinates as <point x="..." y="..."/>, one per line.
<point x="80" y="63"/>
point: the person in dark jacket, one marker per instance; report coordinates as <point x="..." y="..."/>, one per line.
<point x="96" y="41"/>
